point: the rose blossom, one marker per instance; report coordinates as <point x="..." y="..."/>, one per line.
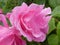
<point x="9" y="35"/>
<point x="32" y="21"/>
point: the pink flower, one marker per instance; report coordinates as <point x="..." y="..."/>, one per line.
<point x="1" y="11"/>
<point x="32" y="21"/>
<point x="9" y="35"/>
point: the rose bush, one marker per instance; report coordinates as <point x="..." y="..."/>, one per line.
<point x="31" y="21"/>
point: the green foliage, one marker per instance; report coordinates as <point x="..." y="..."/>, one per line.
<point x="2" y="4"/>
<point x="54" y="3"/>
<point x="53" y="39"/>
<point x="51" y="25"/>
<point x="9" y="4"/>
<point x="39" y="1"/>
<point x="56" y="12"/>
<point x="33" y="43"/>
<point x="58" y="31"/>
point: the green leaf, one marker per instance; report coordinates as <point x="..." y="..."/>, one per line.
<point x="56" y="12"/>
<point x="53" y="39"/>
<point x="51" y="25"/>
<point x="58" y="31"/>
<point x="39" y="1"/>
<point x="54" y="3"/>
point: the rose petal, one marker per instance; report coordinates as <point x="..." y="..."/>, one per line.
<point x="46" y="11"/>
<point x="41" y="38"/>
<point x="4" y="21"/>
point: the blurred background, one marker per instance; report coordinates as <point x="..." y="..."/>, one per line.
<point x="53" y="36"/>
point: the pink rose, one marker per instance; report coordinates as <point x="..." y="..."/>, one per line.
<point x="32" y="21"/>
<point x="1" y="11"/>
<point x="9" y="35"/>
